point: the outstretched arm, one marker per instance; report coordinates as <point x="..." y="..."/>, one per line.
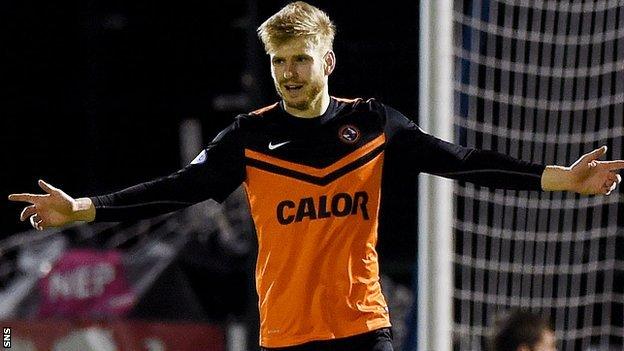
<point x="54" y="208"/>
<point x="586" y="176"/>
<point x="215" y="173"/>
<point x="428" y="154"/>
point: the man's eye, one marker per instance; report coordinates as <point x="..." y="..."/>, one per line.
<point x="278" y="61"/>
<point x="302" y="59"/>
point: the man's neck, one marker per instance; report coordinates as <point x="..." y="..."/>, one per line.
<point x="317" y="108"/>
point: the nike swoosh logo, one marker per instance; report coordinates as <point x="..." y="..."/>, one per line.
<point x="275" y="146"/>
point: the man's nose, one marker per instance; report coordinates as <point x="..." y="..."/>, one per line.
<point x="289" y="71"/>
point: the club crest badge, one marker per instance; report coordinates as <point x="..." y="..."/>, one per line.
<point x="349" y="134"/>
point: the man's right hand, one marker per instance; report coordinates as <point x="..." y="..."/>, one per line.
<point x="55" y="208"/>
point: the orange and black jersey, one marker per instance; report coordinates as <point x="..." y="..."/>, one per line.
<point x="314" y="188"/>
<point x="220" y="168"/>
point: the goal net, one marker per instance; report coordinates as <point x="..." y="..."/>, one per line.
<point x="542" y="81"/>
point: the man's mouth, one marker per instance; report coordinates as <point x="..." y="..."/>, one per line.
<point x="293" y="87"/>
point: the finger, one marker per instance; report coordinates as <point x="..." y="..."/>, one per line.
<point x="32" y="198"/>
<point x="616" y="180"/>
<point x="613" y="165"/>
<point x="33" y="221"/>
<point x="46" y="187"/>
<point x="613" y="186"/>
<point x="594" y="155"/>
<point x="610" y="188"/>
<point x="36" y="222"/>
<point x="27" y="212"/>
<point x="613" y="181"/>
<point x="39" y="224"/>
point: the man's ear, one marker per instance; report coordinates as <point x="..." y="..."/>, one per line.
<point x="329" y="62"/>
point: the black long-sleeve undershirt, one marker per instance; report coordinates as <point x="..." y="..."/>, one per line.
<point x="220" y="168"/>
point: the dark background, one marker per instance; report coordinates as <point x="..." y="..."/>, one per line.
<point x="93" y="91"/>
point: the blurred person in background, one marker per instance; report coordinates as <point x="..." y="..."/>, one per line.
<point x="521" y="330"/>
<point x="312" y="167"/>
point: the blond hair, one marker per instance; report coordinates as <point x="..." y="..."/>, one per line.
<point x="297" y="20"/>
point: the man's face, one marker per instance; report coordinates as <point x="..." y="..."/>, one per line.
<point x="300" y="72"/>
<point x="547" y="342"/>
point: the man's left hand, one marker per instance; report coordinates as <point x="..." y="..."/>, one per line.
<point x="586" y="176"/>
